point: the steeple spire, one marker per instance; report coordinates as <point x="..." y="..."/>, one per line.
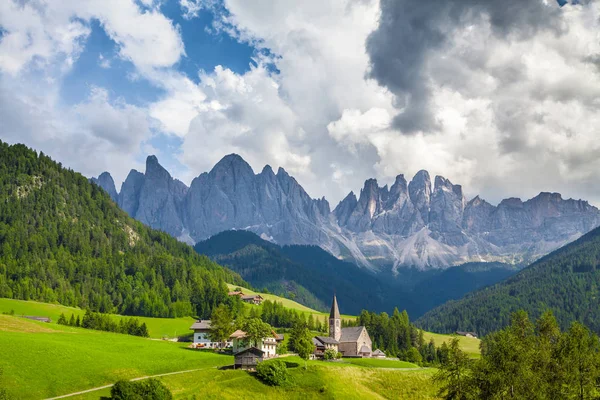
<point x="335" y="322"/>
<point x="335" y="311"/>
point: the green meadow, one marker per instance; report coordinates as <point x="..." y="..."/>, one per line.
<point x="322" y="380"/>
<point x="468" y="345"/>
<point x="157" y="327"/>
<point x="43" y="360"/>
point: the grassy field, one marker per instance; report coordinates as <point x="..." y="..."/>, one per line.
<point x="42" y="360"/>
<point x="468" y="345"/>
<point x="376" y="363"/>
<point x="321" y="380"/>
<point x="157" y="327"/>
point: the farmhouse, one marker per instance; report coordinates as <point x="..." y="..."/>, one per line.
<point x="323" y="343"/>
<point x="267" y="345"/>
<point x="236" y="293"/>
<point x="353" y="341"/>
<point x="249" y="358"/>
<point x="201" y="339"/>
<point x="378" y="354"/>
<point x="252" y="299"/>
<point x="467" y="334"/>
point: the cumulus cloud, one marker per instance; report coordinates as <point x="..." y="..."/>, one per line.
<point x="93" y="136"/>
<point x="410" y="32"/>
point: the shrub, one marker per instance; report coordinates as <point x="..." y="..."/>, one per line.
<point x="149" y="389"/>
<point x="273" y="372"/>
<point x="413" y="356"/>
<point x="330" y="354"/>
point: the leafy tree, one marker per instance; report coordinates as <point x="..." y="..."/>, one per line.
<point x="272" y="372"/>
<point x="221" y="324"/>
<point x="303" y="343"/>
<point x="579" y="351"/>
<point x="256" y="330"/>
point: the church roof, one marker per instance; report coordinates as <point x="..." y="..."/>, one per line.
<point x="351" y="334"/>
<point x="365" y="349"/>
<point x="335" y="311"/>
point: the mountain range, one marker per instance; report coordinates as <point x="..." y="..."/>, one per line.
<point x="413" y="224"/>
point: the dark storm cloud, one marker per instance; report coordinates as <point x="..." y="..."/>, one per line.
<point x="409" y="30"/>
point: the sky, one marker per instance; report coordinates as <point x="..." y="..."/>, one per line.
<point x="502" y="97"/>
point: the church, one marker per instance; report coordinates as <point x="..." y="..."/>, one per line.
<point x="352" y="341"/>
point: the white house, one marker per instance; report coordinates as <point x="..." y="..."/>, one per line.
<point x="202" y="340"/>
<point x="267" y="345"/>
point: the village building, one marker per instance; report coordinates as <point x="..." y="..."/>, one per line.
<point x="249" y="358"/>
<point x="267" y="345"/>
<point x="36" y="318"/>
<point x="201" y="337"/>
<point x="236" y="293"/>
<point x="323" y="343"/>
<point x="378" y="354"/>
<point x="353" y="341"/>
<point x="256" y="299"/>
<point x="467" y="334"/>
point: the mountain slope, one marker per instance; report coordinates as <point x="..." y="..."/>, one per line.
<point x="413" y="224"/>
<point x="62" y="239"/>
<point x="566" y="281"/>
<point x="309" y="272"/>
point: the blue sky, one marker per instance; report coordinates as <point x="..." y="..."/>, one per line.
<point x="334" y="91"/>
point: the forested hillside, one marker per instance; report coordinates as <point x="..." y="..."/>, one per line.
<point x="62" y="239"/>
<point x="566" y="281"/>
<point x="307" y="273"/>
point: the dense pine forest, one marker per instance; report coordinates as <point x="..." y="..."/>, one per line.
<point x="566" y="281"/>
<point x="63" y="240"/>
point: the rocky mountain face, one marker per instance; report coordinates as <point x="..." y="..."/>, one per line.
<point x="412" y="224"/>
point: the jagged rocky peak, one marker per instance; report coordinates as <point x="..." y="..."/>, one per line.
<point x="419" y="190"/>
<point x="129" y="196"/>
<point x="155" y="170"/>
<point x="106" y="182"/>
<point x="344" y="209"/>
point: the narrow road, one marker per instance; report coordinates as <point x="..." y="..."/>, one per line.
<point x="134" y="379"/>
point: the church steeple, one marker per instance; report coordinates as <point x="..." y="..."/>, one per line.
<point x="335" y="322"/>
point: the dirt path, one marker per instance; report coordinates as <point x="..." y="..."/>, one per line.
<point x="134" y="379"/>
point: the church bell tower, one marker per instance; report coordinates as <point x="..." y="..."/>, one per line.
<point x="335" y="322"/>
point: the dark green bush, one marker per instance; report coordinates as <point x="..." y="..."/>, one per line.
<point x="273" y="372"/>
<point x="149" y="389"/>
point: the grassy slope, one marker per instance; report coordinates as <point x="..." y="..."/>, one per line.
<point x="291" y="304"/>
<point x="468" y="345"/>
<point x="42" y="360"/>
<point x="157" y="327"/>
<point x="321" y="380"/>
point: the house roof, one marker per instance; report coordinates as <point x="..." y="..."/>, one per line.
<point x="239" y="334"/>
<point x="378" y="353"/>
<point x="335" y="311"/>
<point x="365" y="349"/>
<point x="252" y="350"/>
<point x="236" y="293"/>
<point x="317" y="343"/>
<point x="466" y="333"/>
<point x="326" y="340"/>
<point x="279" y="337"/>
<point x="251" y="297"/>
<point x="201" y="324"/>
<point x="351" y="334"/>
